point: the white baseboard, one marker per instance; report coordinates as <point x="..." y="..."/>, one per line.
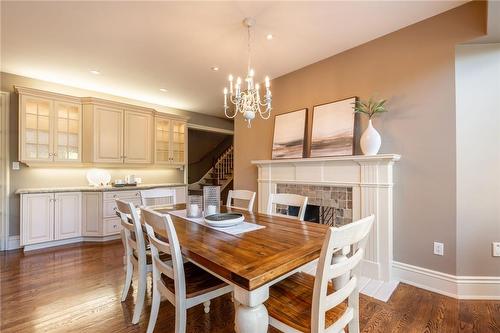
<point x="460" y="287"/>
<point x="68" y="241"/>
<point x="13" y="243"/>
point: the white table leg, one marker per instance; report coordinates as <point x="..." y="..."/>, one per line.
<point x="251" y="313"/>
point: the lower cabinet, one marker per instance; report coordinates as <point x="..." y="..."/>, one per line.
<point x="50" y="216"/>
<point x="37" y="218"/>
<point x="68" y="215"/>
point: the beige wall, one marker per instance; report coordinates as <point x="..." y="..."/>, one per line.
<point x="37" y="177"/>
<point x="414" y="68"/>
<point x="478" y="158"/>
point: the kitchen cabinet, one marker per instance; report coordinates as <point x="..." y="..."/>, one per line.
<point x="138" y="134"/>
<point x="37" y="218"/>
<point x="50" y="128"/>
<point x="67" y="216"/>
<point x="50" y="217"/>
<point x="117" y="134"/>
<point x="91" y="214"/>
<point x="170" y="141"/>
<point x="58" y="130"/>
<point x="108" y="135"/>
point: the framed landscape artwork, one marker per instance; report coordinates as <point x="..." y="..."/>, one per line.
<point x="333" y="129"/>
<point x="289" y="132"/>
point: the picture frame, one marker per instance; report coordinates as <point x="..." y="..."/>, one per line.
<point x="289" y="134"/>
<point x="333" y="129"/>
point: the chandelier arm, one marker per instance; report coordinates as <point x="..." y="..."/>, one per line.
<point x="230" y="117"/>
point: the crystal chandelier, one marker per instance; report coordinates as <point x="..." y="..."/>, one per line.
<point x="247" y="102"/>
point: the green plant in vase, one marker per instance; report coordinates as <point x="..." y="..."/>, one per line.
<point x="370" y="140"/>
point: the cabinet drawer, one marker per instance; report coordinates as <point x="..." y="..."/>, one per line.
<point x="111" y="226"/>
<point x="112" y="195"/>
<point x="109" y="207"/>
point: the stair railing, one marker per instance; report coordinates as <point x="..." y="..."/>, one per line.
<point x="224" y="164"/>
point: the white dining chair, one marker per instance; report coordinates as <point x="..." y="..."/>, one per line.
<point x="243" y="195"/>
<point x="135" y="254"/>
<point x="287" y="199"/>
<point x="304" y="303"/>
<point x="183" y="284"/>
<point x="158" y="196"/>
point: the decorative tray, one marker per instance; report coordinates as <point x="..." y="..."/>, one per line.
<point x="223" y="220"/>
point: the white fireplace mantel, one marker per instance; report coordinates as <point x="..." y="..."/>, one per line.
<point x="371" y="180"/>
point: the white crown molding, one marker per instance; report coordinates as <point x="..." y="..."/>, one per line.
<point x="459" y="287"/>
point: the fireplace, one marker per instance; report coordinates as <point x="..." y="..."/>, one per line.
<point x="330" y="205"/>
<point x="340" y="190"/>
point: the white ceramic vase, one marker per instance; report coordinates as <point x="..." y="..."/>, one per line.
<point x="370" y="140"/>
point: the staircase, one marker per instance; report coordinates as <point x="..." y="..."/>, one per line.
<point x="221" y="173"/>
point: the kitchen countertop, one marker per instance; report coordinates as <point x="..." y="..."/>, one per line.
<point x="94" y="189"/>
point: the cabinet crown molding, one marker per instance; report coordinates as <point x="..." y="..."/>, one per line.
<point x="96" y="101"/>
<point x="46" y="94"/>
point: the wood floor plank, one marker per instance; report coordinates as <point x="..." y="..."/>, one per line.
<point x="77" y="288"/>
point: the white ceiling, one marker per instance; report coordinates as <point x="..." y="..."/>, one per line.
<point x="140" y="47"/>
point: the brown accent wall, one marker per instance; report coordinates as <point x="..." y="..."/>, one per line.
<point x="414" y="68"/>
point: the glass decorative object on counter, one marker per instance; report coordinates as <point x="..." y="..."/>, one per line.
<point x="194" y="206"/>
<point x="211" y="200"/>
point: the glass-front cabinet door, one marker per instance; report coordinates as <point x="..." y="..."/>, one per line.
<point x="162" y="140"/>
<point x="36" y="126"/>
<point x="67" y="136"/>
<point x="50" y="130"/>
<point x="178" y="142"/>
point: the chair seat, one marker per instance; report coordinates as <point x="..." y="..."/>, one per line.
<point x="290" y="302"/>
<point x="149" y="258"/>
<point x="198" y="281"/>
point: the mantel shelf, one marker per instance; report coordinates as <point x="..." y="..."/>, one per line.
<point x="353" y="158"/>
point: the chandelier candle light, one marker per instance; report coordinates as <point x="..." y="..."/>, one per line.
<point x="247" y="102"/>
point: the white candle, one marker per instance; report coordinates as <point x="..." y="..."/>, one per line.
<point x="267" y="82"/>
<point x="257" y="87"/>
<point x="193" y="210"/>
<point x="211" y="210"/>
<point x="230" y="84"/>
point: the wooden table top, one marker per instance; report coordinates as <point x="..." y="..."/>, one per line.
<point x="250" y="259"/>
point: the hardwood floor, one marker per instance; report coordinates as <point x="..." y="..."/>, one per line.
<point x="77" y="289"/>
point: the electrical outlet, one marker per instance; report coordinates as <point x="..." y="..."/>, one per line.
<point x="15" y="165"/>
<point x="438" y="248"/>
<point x="496" y="249"/>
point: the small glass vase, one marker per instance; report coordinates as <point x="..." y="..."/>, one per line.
<point x="211" y="200"/>
<point x="194" y="206"/>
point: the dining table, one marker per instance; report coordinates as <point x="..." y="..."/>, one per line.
<point x="249" y="261"/>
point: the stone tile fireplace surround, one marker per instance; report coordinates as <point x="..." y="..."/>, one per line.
<point x="355" y="186"/>
<point x="334" y="203"/>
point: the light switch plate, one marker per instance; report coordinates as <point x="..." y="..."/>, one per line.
<point x="15" y="165"/>
<point x="496" y="249"/>
<point x="438" y="248"/>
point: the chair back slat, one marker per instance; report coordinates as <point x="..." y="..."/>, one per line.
<point x="343" y="267"/>
<point x="340" y="295"/>
<point x="132" y="244"/>
<point x="158" y="224"/>
<point x="287" y="199"/>
<point x="133" y="236"/>
<point x="353" y="235"/>
<point x="241" y="195"/>
<point x="158" y="196"/>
